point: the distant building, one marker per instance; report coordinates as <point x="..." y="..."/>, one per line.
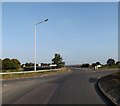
<point x="53" y="65"/>
<point x="24" y="65"/>
<point x="99" y="66"/>
<point x="48" y="65"/>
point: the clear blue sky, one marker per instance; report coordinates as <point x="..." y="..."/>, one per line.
<point x="80" y="32"/>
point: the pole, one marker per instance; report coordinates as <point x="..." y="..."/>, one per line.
<point x="35" y="42"/>
<point x="35" y="49"/>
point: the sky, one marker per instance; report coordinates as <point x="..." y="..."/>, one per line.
<point x="80" y="32"/>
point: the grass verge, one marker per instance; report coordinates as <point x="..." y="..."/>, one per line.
<point x="30" y="74"/>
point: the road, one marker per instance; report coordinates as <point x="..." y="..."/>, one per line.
<point x="77" y="86"/>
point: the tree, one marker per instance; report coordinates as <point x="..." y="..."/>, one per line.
<point x="118" y="63"/>
<point x="7" y="64"/>
<point x="85" y="65"/>
<point x="58" y="61"/>
<point x="16" y="62"/>
<point x="98" y="63"/>
<point x="29" y="64"/>
<point x="110" y="62"/>
<point x="94" y="64"/>
<point x="10" y="64"/>
<point x="45" y="64"/>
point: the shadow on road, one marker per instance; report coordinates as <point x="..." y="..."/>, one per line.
<point x="99" y="92"/>
<point x="102" y="96"/>
<point x="93" y="80"/>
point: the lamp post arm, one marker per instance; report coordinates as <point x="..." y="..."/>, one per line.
<point x="35" y="42"/>
<point x="39" y="22"/>
<point x="42" y="22"/>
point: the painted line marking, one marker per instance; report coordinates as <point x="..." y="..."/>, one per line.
<point x="99" y="77"/>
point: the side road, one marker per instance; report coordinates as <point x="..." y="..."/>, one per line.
<point x="110" y="86"/>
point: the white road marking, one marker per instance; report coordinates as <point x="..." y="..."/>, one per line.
<point x="4" y="85"/>
<point x="99" y="77"/>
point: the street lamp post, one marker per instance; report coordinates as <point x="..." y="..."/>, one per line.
<point x="35" y="41"/>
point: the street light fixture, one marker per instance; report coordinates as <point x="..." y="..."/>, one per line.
<point x="35" y="41"/>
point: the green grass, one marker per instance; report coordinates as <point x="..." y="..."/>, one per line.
<point x="113" y="66"/>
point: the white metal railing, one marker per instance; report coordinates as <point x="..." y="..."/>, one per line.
<point x="32" y="71"/>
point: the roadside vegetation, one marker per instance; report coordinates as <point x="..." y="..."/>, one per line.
<point x="14" y="65"/>
<point x="32" y="74"/>
<point x="110" y="64"/>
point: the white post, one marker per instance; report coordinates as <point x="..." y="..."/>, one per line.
<point x="35" y="49"/>
<point x="35" y="42"/>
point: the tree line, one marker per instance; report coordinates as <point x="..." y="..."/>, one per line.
<point x="14" y="64"/>
<point x="110" y="62"/>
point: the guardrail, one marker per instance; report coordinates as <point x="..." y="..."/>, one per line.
<point x="31" y="71"/>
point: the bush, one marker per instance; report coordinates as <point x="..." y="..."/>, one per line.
<point x="29" y="64"/>
<point x="110" y="62"/>
<point x="8" y="64"/>
<point x="118" y="63"/>
<point x="98" y="63"/>
<point x="85" y="65"/>
<point x="94" y="64"/>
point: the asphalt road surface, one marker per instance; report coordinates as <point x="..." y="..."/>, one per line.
<point x="77" y="86"/>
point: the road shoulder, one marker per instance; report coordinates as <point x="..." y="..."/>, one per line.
<point x="110" y="86"/>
